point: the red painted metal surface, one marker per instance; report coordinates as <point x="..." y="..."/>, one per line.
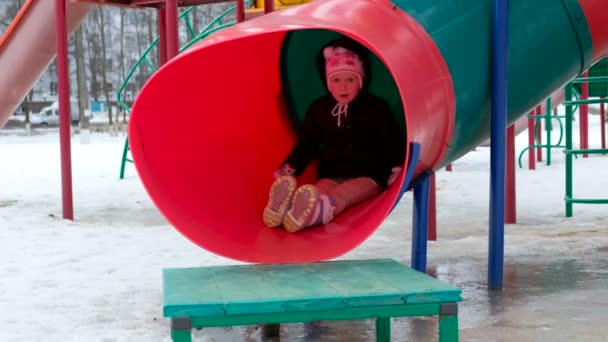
<point x="64" y="108"/>
<point x="210" y="178"/>
<point x="432" y="223"/>
<point x="172" y="37"/>
<point x="596" y="14"/>
<point x="240" y="11"/>
<point x="510" y="186"/>
<point x="539" y="135"/>
<point x="583" y="123"/>
<point x="531" y="141"/>
<point x="162" y="36"/>
<point x="603" y="123"/>
<point x="268" y="6"/>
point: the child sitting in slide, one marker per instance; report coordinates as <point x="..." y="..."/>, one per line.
<point x="355" y="139"/>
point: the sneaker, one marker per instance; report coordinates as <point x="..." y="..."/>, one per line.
<point x="302" y="210"/>
<point x="279" y="200"/>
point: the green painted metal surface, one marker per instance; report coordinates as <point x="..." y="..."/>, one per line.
<point x="598" y="86"/>
<point x="302" y="83"/>
<point x="322" y="315"/>
<point x="549" y="42"/>
<point x="448" y="328"/>
<point x="274" y="289"/>
<point x="570" y="152"/>
<point x="383" y="329"/>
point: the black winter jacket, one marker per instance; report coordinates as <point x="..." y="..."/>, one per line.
<point x="368" y="142"/>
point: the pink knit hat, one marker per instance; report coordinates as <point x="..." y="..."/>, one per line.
<point x="339" y="59"/>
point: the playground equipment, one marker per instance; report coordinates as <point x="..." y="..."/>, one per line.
<point x="213" y="187"/>
<point x="443" y="125"/>
<point x="338" y="290"/>
<point x="584" y="150"/>
<point x="535" y="121"/>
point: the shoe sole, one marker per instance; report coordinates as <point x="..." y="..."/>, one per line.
<point x="292" y="223"/>
<point x="272" y="217"/>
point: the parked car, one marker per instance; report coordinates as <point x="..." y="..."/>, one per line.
<point x="49" y="116"/>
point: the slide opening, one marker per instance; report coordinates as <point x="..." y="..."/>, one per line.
<point x="212" y="125"/>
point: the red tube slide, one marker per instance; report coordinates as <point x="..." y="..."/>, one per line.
<point x="209" y="128"/>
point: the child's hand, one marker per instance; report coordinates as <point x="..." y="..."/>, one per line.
<point x="285" y="170"/>
<point x="394" y="174"/>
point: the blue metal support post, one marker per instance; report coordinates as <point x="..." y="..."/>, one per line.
<point x="420" y="224"/>
<point x="500" y="27"/>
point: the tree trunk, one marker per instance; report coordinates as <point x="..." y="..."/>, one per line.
<point x="104" y="75"/>
<point x="151" y="35"/>
<point x="196" y="21"/>
<point x="28" y="111"/>
<point x="122" y="74"/>
<point x="81" y="81"/>
<point x="93" y="49"/>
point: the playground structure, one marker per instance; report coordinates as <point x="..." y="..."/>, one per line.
<point x="591" y="88"/>
<point x="433" y="123"/>
<point x="439" y="128"/>
<point x="174" y="179"/>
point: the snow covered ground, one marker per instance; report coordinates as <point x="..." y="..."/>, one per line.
<point x="98" y="278"/>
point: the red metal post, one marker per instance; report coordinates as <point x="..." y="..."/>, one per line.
<point x="510" y="202"/>
<point x="539" y="134"/>
<point x="240" y="11"/>
<point x="268" y="6"/>
<point x="449" y="167"/>
<point x="63" y="81"/>
<point x="172" y="34"/>
<point x="432" y="224"/>
<point x="584" y="117"/>
<point x="531" y="156"/>
<point x="162" y="36"/>
<point x="603" y="122"/>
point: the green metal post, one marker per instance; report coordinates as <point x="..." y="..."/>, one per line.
<point x="383" y="329"/>
<point x="124" y="159"/>
<point x="548" y="128"/>
<point x="181" y="336"/>
<point x="568" y="150"/>
<point x="448" y="328"/>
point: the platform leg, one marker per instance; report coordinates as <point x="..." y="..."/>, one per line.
<point x="383" y="329"/>
<point x="181" y="329"/>
<point x="448" y="323"/>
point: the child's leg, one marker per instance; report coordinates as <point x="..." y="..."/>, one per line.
<point x="326" y="185"/>
<point x="311" y="206"/>
<point x="279" y="200"/>
<point x="353" y="191"/>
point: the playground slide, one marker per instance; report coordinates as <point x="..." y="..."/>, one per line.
<point x="28" y="47"/>
<point x="240" y="93"/>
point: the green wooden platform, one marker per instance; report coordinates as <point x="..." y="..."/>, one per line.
<point x="338" y="290"/>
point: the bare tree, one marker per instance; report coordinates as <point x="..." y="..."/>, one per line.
<point x="122" y="43"/>
<point x="93" y="50"/>
<point x="104" y="74"/>
<point x="122" y="73"/>
<point x="81" y="82"/>
<point x="152" y="35"/>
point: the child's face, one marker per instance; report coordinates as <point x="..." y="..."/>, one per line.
<point x="344" y="86"/>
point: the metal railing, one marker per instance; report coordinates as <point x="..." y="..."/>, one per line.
<point x="571" y="152"/>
